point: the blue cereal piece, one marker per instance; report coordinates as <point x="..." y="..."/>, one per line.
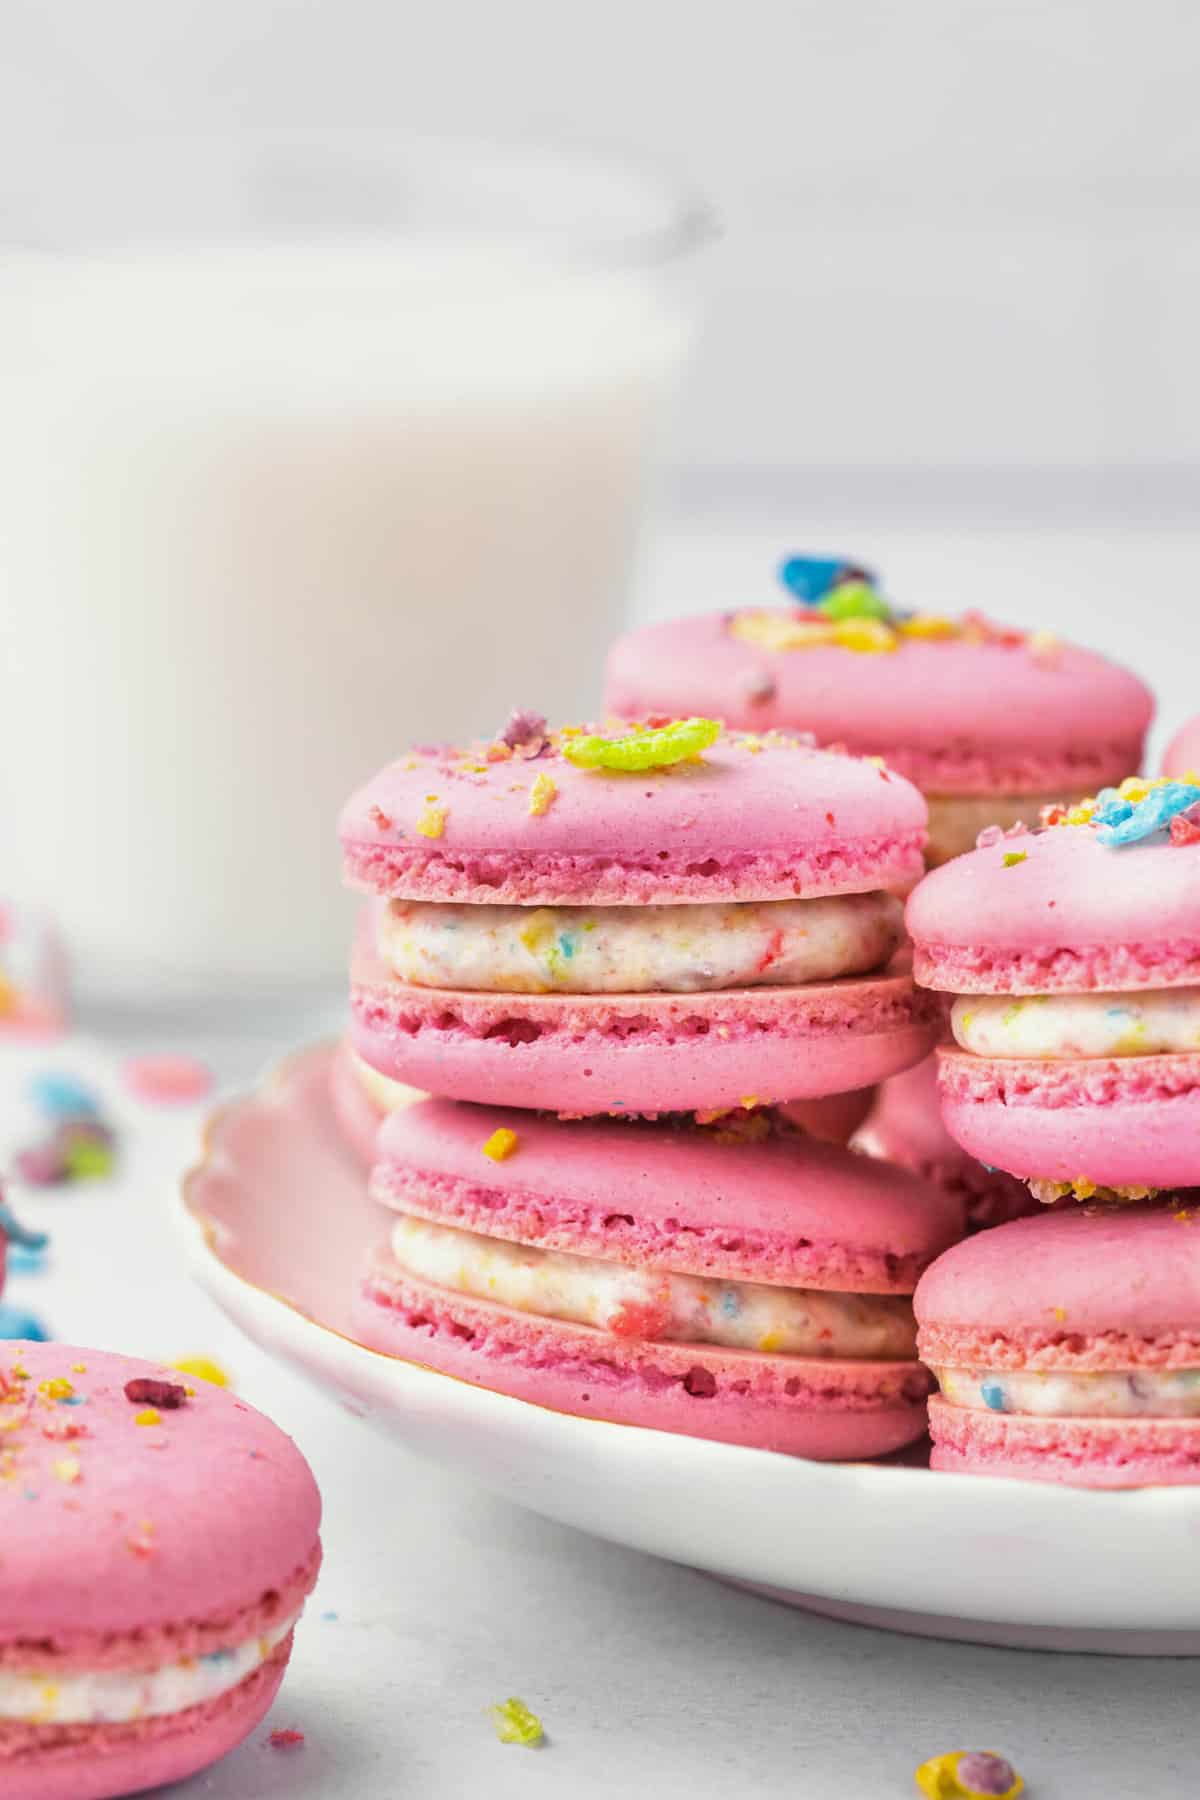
<point x="61" y="1096"/>
<point x="18" y="1234"/>
<point x="16" y="1323"/>
<point x="994" y="1396"/>
<point x="810" y="578"/>
<point x="1119" y="822"/>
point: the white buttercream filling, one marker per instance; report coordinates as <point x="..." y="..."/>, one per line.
<point x="1057" y="1394"/>
<point x="1078" y="1025"/>
<point x="120" y="1696"/>
<point x="653" y="1304"/>
<point x="637" y="949"/>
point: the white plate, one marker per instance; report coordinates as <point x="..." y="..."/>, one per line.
<point x="278" y="1224"/>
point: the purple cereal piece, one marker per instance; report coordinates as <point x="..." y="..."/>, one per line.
<point x="523" y="728"/>
<point x="144" y="1390"/>
<point x="981" y="1772"/>
<point x="41" y="1165"/>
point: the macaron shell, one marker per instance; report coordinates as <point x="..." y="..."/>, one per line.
<point x="1183" y="752"/>
<point x="784" y="1210"/>
<point x="356" y="1113"/>
<point x="1048" y="1286"/>
<point x="825" y="1410"/>
<point x="955" y="717"/>
<point x="647" y="1053"/>
<point x="905" y="1127"/>
<point x="1121" y="1122"/>
<point x="1094" y="1453"/>
<point x="1070" y="915"/>
<point x="745" y="821"/>
<point x="143" y="1541"/>
<point x="101" y="1762"/>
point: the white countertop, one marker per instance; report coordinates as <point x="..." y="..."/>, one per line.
<point x="437" y="1600"/>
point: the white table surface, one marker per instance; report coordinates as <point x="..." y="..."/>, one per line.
<point x="437" y="1599"/>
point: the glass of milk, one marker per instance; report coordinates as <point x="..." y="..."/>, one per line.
<point x="310" y="448"/>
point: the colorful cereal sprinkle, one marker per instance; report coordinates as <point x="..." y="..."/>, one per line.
<point x="644" y="747"/>
<point x="514" y="1723"/>
<point x="969" y="1775"/>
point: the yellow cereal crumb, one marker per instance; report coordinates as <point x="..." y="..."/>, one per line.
<point x="541" y="794"/>
<point x="1060" y="1313"/>
<point x="79" y="1368"/>
<point x="1084" y="1189"/>
<point x="203" y="1368"/>
<point x="66" y="1468"/>
<point x="432" y="821"/>
<point x="749" y="1101"/>
<point x="501" y="1144"/>
<point x="928" y="625"/>
<point x="149" y="1415"/>
<point x="57" y="1388"/>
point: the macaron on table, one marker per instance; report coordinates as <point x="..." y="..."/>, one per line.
<point x="991" y="723"/>
<point x="148" y="1608"/>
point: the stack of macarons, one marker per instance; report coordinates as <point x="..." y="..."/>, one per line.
<point x="1067" y="1347"/>
<point x="607" y="954"/>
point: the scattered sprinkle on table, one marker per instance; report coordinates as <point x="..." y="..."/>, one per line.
<point x="167" y="1079"/>
<point x="969" y="1775"/>
<point x="286" y="1740"/>
<point x="514" y="1723"/>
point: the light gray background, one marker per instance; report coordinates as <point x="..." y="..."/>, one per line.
<point x="961" y="239"/>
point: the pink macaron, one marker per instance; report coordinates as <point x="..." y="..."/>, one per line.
<point x="1075" y="955"/>
<point x="1067" y="1348"/>
<point x="158" y="1545"/>
<point x="905" y="1126"/>
<point x="676" y="918"/>
<point x="1182" y="754"/>
<point x="730" y="1282"/>
<point x="991" y="723"/>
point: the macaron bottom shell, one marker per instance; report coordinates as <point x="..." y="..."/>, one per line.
<point x="1116" y="1122"/>
<point x="104" y="1761"/>
<point x="1078" y="1452"/>
<point x="826" y="1410"/>
<point x="642" y="1053"/>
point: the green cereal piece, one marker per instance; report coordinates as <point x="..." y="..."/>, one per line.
<point x="645" y="747"/>
<point x="514" y="1723"/>
<point x="87" y="1160"/>
<point x="854" y="600"/>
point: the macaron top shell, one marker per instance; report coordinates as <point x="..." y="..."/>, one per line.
<point x="751" y="818"/>
<point x="1183" y="752"/>
<point x="119" y="1517"/>
<point x="1058" y="910"/>
<point x="951" y="714"/>
<point x="783" y="1208"/>
<point x="1082" y="1286"/>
